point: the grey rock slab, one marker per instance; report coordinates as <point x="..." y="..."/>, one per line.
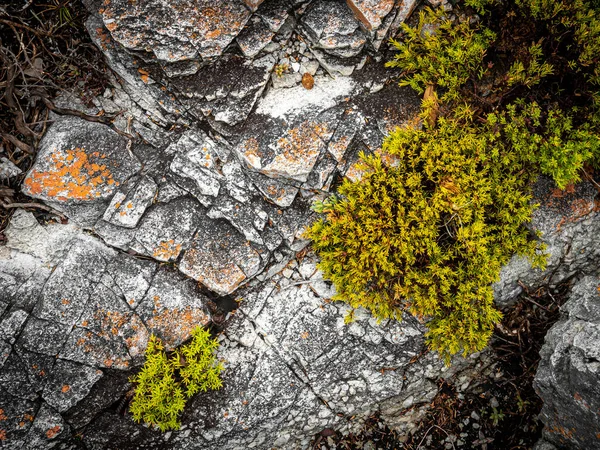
<point x="255" y="36"/>
<point x="69" y="384"/>
<point x="11" y="325"/>
<point x="167" y="228"/>
<point x="18" y="415"/>
<point x="109" y="388"/>
<point x="91" y="349"/>
<point x="48" y="429"/>
<point x="226" y="89"/>
<point x="333" y="28"/>
<point x="277" y="191"/>
<point x="175" y="31"/>
<point x="110" y="316"/>
<point x="79" y="167"/>
<point x="132" y="277"/>
<point x="69" y="287"/>
<point x="43" y="336"/>
<point x="48" y="244"/>
<point x="567" y="376"/>
<point x="248" y="219"/>
<point x="220" y="258"/>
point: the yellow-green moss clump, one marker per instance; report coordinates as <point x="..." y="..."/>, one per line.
<point x="166" y="381"/>
<point x="428" y="230"/>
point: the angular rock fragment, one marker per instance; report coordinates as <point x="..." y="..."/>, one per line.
<point x="47" y="429"/>
<point x="69" y="384"/>
<point x="277" y="191"/>
<point x="371" y="12"/>
<point x="567" y="377"/>
<point x="220" y="258"/>
<point x="256" y="36"/>
<point x="167" y="229"/>
<point x="225" y="90"/>
<point x="248" y="219"/>
<point x="332" y="27"/>
<point x="173" y="307"/>
<point x="71" y="284"/>
<point x="126" y="208"/>
<point x="79" y="167"/>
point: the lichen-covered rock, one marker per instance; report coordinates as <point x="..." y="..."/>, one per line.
<point x="176" y="31"/>
<point x="567" y="377"/>
<point x="79" y="167"/>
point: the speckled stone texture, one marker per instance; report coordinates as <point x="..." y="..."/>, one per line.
<point x="201" y="197"/>
<point x="568" y="374"/>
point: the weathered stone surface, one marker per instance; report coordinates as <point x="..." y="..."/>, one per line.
<point x="8" y="170"/>
<point x="567" y="377"/>
<point x="78" y="168"/>
<point x="332" y="27"/>
<point x="175" y="31"/>
<point x="220" y="264"/>
<point x="167" y="228"/>
<point x="127" y="208"/>
<point x="569" y="222"/>
<point x="70" y="383"/>
<point x="371" y="12"/>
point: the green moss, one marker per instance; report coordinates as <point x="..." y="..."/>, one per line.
<point x="428" y="227"/>
<point x="165" y="382"/>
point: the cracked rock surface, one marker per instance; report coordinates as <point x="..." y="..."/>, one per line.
<point x="567" y="377"/>
<point x="200" y="191"/>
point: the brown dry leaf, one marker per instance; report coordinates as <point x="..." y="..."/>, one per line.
<point x="308" y="81"/>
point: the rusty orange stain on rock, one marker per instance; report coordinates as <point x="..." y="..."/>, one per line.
<point x="70" y="176"/>
<point x="2" y="435"/>
<point x="2" y="415"/>
<point x="66" y="388"/>
<point x="52" y="432"/>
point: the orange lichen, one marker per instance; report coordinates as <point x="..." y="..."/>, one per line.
<point x="167" y="250"/>
<point x="175" y="324"/>
<point x="300" y="147"/>
<point x="2" y="415"/>
<point x="144" y="75"/>
<point x="71" y="175"/>
<point x="52" y="432"/>
<point x="66" y="388"/>
<point x="2" y="435"/>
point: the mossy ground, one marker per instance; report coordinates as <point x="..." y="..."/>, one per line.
<point x="507" y="96"/>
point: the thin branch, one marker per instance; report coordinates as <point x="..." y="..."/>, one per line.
<point x="33" y="205"/>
